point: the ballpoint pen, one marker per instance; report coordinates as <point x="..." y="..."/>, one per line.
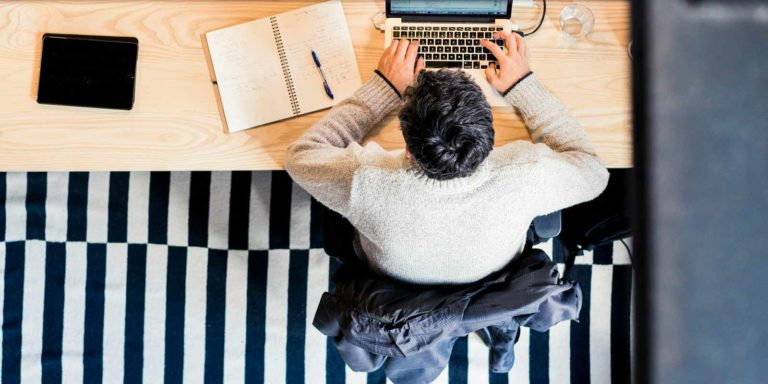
<point x="319" y="68"/>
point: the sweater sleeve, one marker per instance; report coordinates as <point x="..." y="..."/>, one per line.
<point x="568" y="170"/>
<point x="324" y="159"/>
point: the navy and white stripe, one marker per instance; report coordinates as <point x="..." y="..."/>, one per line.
<point x="201" y="277"/>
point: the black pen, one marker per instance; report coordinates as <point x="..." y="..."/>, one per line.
<point x="319" y="68"/>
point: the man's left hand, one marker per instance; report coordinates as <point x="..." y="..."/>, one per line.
<point x="400" y="63"/>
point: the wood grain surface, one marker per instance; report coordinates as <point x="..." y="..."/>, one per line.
<point x="175" y="123"/>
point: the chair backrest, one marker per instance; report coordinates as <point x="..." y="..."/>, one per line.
<point x="544" y="228"/>
<point x="338" y="233"/>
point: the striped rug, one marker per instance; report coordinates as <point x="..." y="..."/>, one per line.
<point x="214" y="278"/>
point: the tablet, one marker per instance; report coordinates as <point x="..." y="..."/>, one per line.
<point x="88" y="71"/>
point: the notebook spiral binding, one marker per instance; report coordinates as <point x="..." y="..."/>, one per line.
<point x="284" y="63"/>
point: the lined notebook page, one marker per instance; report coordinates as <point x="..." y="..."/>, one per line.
<point x="249" y="75"/>
<point x="257" y="87"/>
<point x="321" y="27"/>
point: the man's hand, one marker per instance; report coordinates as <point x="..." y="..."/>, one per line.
<point x="513" y="64"/>
<point x="400" y="64"/>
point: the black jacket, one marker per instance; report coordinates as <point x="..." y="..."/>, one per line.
<point x="411" y="329"/>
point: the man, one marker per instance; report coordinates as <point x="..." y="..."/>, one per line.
<point x="449" y="209"/>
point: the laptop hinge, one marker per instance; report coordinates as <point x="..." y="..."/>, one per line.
<point x="448" y="19"/>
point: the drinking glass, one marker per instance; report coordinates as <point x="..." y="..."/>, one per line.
<point x="379" y="20"/>
<point x="576" y="21"/>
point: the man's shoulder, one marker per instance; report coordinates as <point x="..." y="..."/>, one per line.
<point x="372" y="157"/>
<point x="516" y="153"/>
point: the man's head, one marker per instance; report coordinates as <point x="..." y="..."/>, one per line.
<point x="447" y="124"/>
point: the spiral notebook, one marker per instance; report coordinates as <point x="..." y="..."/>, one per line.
<point x="264" y="71"/>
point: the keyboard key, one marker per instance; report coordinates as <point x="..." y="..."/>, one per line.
<point x="443" y="64"/>
<point x="427" y="28"/>
<point x="465" y="34"/>
<point x="467" y="65"/>
<point x="451" y="28"/>
<point x="455" y="49"/>
<point x="476" y="65"/>
<point x="449" y="35"/>
<point x="474" y="56"/>
<point x="472" y="35"/>
<point x="396" y="28"/>
<point x="454" y="42"/>
<point x="443" y="28"/>
<point x="475" y="28"/>
<point x="446" y="42"/>
<point x="451" y="57"/>
<point x="483" y="66"/>
<point x="442" y="34"/>
<point x="396" y="35"/>
<point x="483" y="28"/>
<point x="476" y="41"/>
<point x="463" y="49"/>
<point x="440" y="48"/>
<point x="467" y="57"/>
<point x="419" y="28"/>
<point x="443" y="56"/>
<point x="430" y="41"/>
<point x="428" y="56"/>
<point x="432" y="49"/>
<point x="459" y="28"/>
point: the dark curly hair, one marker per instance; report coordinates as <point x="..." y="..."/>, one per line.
<point x="447" y="124"/>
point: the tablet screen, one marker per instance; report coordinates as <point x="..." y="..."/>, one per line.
<point x="88" y="71"/>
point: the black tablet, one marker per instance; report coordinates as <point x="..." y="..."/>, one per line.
<point x="88" y="71"/>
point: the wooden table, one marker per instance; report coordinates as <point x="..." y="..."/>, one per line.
<point x="175" y="123"/>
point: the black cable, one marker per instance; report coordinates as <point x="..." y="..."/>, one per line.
<point x="543" y="15"/>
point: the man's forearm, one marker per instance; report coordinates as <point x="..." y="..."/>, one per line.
<point x="352" y="119"/>
<point x="547" y="119"/>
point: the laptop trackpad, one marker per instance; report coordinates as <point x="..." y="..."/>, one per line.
<point x="494" y="98"/>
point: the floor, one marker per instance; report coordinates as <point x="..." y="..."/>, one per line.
<point x="214" y="277"/>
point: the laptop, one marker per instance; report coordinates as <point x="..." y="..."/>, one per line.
<point x="449" y="33"/>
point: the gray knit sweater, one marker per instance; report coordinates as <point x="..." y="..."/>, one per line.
<point x="425" y="231"/>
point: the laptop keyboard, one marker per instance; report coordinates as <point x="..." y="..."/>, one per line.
<point x="451" y="46"/>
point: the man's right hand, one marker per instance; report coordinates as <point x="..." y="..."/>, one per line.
<point x="400" y="64"/>
<point x="513" y="64"/>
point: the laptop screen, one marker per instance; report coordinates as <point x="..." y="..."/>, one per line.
<point x="491" y="8"/>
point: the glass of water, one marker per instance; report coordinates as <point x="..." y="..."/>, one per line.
<point x="576" y="21"/>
